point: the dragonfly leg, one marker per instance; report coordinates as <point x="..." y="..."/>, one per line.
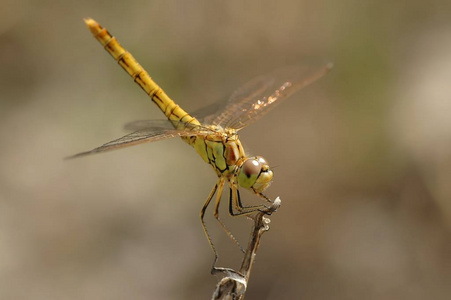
<point x="224" y="227"/>
<point x="266" y="198"/>
<point x="235" y="202"/>
<point x="220" y="184"/>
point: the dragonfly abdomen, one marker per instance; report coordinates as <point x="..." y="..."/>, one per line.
<point x="171" y="110"/>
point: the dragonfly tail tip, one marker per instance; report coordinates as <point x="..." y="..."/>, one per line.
<point x="89" y="22"/>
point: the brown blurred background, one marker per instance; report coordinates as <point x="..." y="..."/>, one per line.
<point x="362" y="157"/>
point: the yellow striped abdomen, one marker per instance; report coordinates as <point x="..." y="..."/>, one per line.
<point x="171" y="110"/>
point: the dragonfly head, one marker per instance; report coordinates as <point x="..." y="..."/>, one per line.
<point x="255" y="174"/>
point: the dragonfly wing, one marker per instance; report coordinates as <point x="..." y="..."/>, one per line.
<point x="156" y="125"/>
<point x="166" y="125"/>
<point x="256" y="98"/>
<point x="150" y="134"/>
<point x="206" y="114"/>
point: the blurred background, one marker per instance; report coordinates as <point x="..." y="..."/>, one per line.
<point x="362" y="157"/>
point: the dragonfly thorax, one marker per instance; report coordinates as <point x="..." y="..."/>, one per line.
<point x="254" y="173"/>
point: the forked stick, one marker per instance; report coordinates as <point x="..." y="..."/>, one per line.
<point x="233" y="285"/>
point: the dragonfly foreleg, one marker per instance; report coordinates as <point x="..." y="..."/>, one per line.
<point x="235" y="202"/>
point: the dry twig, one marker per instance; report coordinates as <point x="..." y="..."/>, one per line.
<point x="233" y="285"/>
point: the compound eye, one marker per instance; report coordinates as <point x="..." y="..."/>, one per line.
<point x="249" y="172"/>
<point x="261" y="160"/>
<point x="251" y="167"/>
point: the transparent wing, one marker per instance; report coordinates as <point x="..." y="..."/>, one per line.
<point x="256" y="98"/>
<point x="165" y="124"/>
<point x="205" y="114"/>
<point x="155" y="131"/>
<point x="151" y="125"/>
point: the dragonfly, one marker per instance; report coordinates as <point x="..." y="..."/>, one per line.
<point x="213" y="130"/>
